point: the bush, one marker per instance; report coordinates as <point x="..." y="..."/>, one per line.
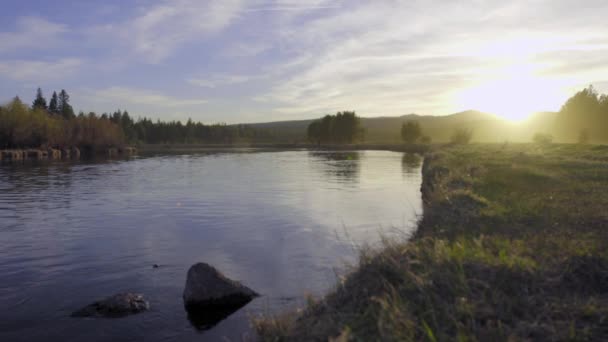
<point x="461" y="136"/>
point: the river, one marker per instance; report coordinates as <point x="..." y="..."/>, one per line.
<point x="284" y="223"/>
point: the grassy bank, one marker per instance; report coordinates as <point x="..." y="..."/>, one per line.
<point x="512" y="246"/>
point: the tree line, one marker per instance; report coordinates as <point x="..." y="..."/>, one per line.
<point x="342" y="128"/>
<point x="54" y="124"/>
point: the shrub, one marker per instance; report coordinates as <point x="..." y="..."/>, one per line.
<point x="461" y="136"/>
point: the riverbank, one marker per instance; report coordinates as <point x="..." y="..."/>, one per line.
<point x="19" y="155"/>
<point x="512" y="245"/>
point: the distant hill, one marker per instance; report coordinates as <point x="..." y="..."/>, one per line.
<point x="486" y="127"/>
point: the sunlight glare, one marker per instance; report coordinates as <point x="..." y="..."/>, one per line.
<point x="514" y="93"/>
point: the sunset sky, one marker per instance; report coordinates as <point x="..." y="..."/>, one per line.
<point x="245" y="61"/>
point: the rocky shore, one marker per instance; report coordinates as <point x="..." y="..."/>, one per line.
<point x="18" y="155"/>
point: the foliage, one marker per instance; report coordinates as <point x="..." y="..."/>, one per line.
<point x="21" y="126"/>
<point x="342" y="128"/>
<point x="40" y="101"/>
<point x="411" y="132"/>
<point x="461" y="136"/>
<point x="63" y="105"/>
<point x="174" y="132"/>
<point x="586" y="110"/>
<point x="54" y="104"/>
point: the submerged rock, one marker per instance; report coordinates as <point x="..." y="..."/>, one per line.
<point x="118" y="305"/>
<point x="208" y="289"/>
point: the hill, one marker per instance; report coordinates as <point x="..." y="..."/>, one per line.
<point x="486" y="127"/>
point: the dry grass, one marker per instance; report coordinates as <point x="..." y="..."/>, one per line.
<point x="512" y="246"/>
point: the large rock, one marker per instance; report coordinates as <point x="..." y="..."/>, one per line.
<point x="208" y="289"/>
<point x="75" y="152"/>
<point x="118" y="305"/>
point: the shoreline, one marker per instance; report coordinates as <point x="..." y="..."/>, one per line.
<point x="194" y="148"/>
<point x="69" y="153"/>
<point x="503" y="251"/>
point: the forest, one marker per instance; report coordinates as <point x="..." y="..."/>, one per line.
<point x="55" y="125"/>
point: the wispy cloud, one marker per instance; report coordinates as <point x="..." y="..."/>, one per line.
<point x="125" y="96"/>
<point x="392" y="58"/>
<point x="31" y="33"/>
<point x="158" y="31"/>
<point x="214" y="81"/>
<point x="37" y="71"/>
<point x="297" y="58"/>
<point x="246" y="49"/>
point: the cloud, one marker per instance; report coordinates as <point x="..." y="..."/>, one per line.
<point x="32" y="33"/>
<point x="215" y="81"/>
<point x="246" y="49"/>
<point x="38" y="71"/>
<point x="159" y="30"/>
<point x="395" y="57"/>
<point x="125" y="96"/>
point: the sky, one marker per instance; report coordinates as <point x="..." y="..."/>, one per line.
<point x="264" y="60"/>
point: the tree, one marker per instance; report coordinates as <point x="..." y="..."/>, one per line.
<point x="584" y="110"/>
<point x="342" y="128"/>
<point x="40" y="101"/>
<point x="314" y="132"/>
<point x="461" y="136"/>
<point x="411" y="132"/>
<point x="54" y="104"/>
<point x="64" y="107"/>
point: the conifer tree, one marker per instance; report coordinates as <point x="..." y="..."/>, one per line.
<point x="64" y="107"/>
<point x="54" y="104"/>
<point x="40" y="101"/>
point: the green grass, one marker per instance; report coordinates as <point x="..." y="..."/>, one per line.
<point x="512" y="246"/>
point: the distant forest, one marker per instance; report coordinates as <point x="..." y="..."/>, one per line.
<point x="583" y="118"/>
<point x="55" y="125"/>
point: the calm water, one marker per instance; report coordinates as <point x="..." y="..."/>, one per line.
<point x="283" y="223"/>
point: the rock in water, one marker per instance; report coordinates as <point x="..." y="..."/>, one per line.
<point x="118" y="305"/>
<point x="208" y="289"/>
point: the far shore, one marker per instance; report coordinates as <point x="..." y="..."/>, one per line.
<point x="193" y="148"/>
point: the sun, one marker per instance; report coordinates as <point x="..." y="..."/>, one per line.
<point x="512" y="92"/>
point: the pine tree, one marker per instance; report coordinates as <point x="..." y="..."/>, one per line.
<point x="40" y="101"/>
<point x="53" y="104"/>
<point x="64" y="107"/>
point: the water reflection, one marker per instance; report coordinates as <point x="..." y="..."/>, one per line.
<point x="344" y="166"/>
<point x="203" y="320"/>
<point x="411" y="163"/>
